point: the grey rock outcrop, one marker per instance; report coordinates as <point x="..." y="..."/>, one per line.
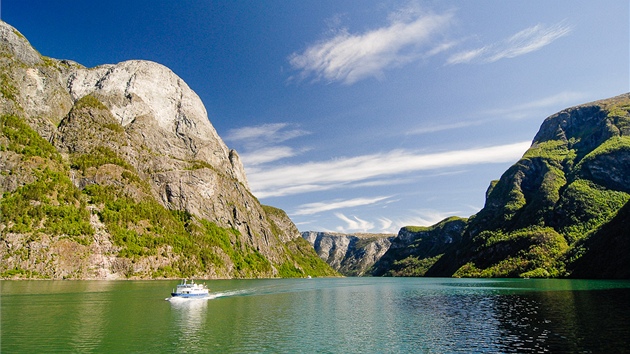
<point x="14" y="42"/>
<point x="172" y="117"/>
<point x="144" y="115"/>
<point x="349" y="254"/>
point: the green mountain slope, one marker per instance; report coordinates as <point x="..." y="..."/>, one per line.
<point x="560" y="211"/>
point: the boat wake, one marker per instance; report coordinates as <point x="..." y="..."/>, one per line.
<point x="227" y="294"/>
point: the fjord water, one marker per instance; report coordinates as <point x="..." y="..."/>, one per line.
<point x="339" y="315"/>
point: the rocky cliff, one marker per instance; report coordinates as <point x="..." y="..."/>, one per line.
<point x="560" y="211"/>
<point x="349" y="254"/>
<point x="415" y="249"/>
<point x="116" y="171"/>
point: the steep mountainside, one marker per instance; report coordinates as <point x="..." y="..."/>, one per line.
<point x="350" y="255"/>
<point x="116" y="171"/>
<point x="562" y="210"/>
<point x="415" y="249"/>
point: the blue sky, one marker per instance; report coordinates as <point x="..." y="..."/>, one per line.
<point x="360" y="116"/>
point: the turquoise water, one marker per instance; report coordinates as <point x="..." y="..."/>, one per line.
<point x="345" y="315"/>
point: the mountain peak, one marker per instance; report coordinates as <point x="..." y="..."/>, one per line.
<point x="135" y="181"/>
<point x="11" y="40"/>
<point x="560" y="211"/>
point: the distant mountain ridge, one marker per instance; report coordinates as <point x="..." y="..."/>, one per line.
<point x="116" y="172"/>
<point x="349" y="254"/>
<point x="561" y="211"/>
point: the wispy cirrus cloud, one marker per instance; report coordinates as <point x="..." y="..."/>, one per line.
<point x="530" y="109"/>
<point x="314" y="208"/>
<point x="349" y="57"/>
<point x="561" y="99"/>
<point x="433" y="128"/>
<point x="424" y="217"/>
<point x="411" y="35"/>
<point x="265" y="134"/>
<point x="344" y="172"/>
<point x="267" y="154"/>
<point x="526" y="41"/>
<point x="262" y="143"/>
<point x="354" y="224"/>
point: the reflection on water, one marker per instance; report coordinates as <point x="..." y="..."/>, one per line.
<point x="584" y="321"/>
<point x="42" y="309"/>
<point x="87" y="325"/>
<point x="346" y="315"/>
<point x="189" y="317"/>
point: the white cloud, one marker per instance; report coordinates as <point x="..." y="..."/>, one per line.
<point x="353" y="225"/>
<point x="348" y="57"/>
<point x="530" y="109"/>
<point x="466" y="56"/>
<point x="436" y="128"/>
<point x="526" y="41"/>
<point x="314" y="208"/>
<point x="265" y="134"/>
<point x="410" y="36"/>
<point x="266" y="155"/>
<point x="385" y="223"/>
<point x="390" y="181"/>
<point x="440" y="48"/>
<point x="424" y="217"/>
<point x="342" y="172"/>
<point x="530" y="40"/>
<point x="261" y="143"/>
<point x="561" y="100"/>
<point x="254" y="131"/>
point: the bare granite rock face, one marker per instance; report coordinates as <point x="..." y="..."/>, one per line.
<point x="143" y="114"/>
<point x="172" y="118"/>
<point x="349" y="254"/>
<point x="14" y="42"/>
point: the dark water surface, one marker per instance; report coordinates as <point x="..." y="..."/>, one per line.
<point x="346" y="315"/>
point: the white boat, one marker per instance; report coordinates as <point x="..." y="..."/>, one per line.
<point x="190" y="290"/>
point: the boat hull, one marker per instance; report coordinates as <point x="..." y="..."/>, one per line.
<point x="185" y="296"/>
